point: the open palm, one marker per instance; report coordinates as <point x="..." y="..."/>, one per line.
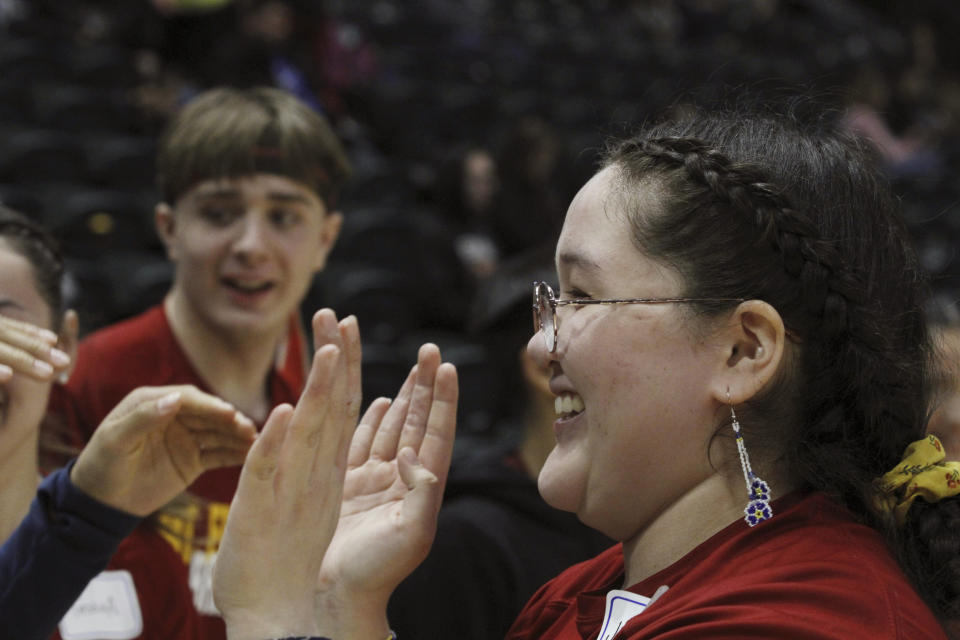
<point x="396" y="470"/>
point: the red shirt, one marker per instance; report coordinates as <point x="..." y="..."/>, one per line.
<point x="809" y="572"/>
<point x="143" y="351"/>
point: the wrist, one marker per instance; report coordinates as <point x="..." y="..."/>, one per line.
<point x="277" y="624"/>
<point x="352" y="618"/>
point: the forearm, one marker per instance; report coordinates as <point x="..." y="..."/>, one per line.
<point x="65" y="540"/>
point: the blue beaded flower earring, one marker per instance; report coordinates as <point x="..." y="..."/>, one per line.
<point x="758" y="491"/>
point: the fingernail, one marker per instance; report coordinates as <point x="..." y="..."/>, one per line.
<point x="43" y="368"/>
<point x="59" y="358"/>
<point x="5" y="372"/>
<point x="166" y="402"/>
<point x="48" y="335"/>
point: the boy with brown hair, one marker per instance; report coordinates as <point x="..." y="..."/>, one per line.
<point x="249" y="180"/>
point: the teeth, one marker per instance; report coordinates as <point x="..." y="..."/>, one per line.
<point x="248" y="286"/>
<point x="568" y="403"/>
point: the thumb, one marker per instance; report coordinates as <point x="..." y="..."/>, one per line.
<point x="148" y="414"/>
<point x="422" y="502"/>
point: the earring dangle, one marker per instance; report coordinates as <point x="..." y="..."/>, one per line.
<point x="758" y="506"/>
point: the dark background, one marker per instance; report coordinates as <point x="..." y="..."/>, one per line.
<point x="537" y="85"/>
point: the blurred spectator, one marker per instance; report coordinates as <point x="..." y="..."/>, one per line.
<point x="469" y="197"/>
<point x="534" y="192"/>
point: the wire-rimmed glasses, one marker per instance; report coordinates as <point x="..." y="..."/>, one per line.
<point x="545" y="305"/>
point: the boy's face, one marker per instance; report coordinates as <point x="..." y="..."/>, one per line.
<point x="246" y="249"/>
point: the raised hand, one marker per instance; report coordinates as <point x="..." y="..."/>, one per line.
<point x="156" y="442"/>
<point x="30" y="350"/>
<point x="288" y="501"/>
<point x="396" y="471"/>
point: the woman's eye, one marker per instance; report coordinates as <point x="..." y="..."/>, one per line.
<point x="576" y="294"/>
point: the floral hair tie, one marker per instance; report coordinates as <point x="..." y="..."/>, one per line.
<point x="922" y="473"/>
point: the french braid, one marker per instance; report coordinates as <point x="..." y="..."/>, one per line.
<point x="758" y="207"/>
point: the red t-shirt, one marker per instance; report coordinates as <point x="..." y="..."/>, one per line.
<point x="809" y="572"/>
<point x="143" y="351"/>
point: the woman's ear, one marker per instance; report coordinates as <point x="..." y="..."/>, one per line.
<point x="754" y="341"/>
<point x="67" y="342"/>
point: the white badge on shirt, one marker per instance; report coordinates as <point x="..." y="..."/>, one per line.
<point x="621" y="607"/>
<point x="108" y="609"/>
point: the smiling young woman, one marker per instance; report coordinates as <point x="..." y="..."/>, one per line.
<point x="782" y="295"/>
<point x="743" y="363"/>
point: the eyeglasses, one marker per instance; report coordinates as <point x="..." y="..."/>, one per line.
<point x="545" y="305"/>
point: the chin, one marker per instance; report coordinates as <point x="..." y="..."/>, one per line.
<point x="251" y="322"/>
<point x="559" y="485"/>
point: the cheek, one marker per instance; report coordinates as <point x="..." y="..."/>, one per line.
<point x="198" y="242"/>
<point x="26" y="404"/>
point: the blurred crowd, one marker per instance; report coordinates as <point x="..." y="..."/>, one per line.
<point x="469" y="125"/>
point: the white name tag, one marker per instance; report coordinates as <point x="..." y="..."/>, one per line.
<point x="621" y="607"/>
<point x="108" y="609"/>
<point x="201" y="582"/>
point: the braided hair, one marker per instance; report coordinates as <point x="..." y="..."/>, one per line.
<point x="42" y="252"/>
<point x="796" y="213"/>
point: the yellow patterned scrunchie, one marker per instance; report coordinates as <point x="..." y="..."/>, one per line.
<point x="923" y="473"/>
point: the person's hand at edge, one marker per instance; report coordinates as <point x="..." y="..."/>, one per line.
<point x="30" y="350"/>
<point x="285" y="511"/>
<point x="155" y="443"/>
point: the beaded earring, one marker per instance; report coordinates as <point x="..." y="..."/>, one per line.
<point x="758" y="506"/>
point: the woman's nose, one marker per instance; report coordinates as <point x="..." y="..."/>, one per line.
<point x="537" y="349"/>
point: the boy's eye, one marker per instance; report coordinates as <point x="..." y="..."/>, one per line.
<point x="218" y="215"/>
<point x="284" y="218"/>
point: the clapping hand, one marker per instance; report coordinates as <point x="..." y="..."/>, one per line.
<point x="323" y="527"/>
<point x="156" y="442"/>
<point x="396" y="471"/>
<point x="287" y="503"/>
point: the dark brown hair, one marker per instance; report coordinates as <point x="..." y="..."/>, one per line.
<point x="228" y="133"/>
<point x="790" y="210"/>
<point x="42" y="252"/>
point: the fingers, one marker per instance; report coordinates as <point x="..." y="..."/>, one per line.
<point x="422" y="502"/>
<point x="263" y="459"/>
<point x="437" y="445"/>
<point x="346" y="385"/>
<point x="414" y="426"/>
<point x="138" y="413"/>
<point x="353" y="353"/>
<point x="216" y="458"/>
<point x="29" y="350"/>
<point x="385" y="440"/>
<point x="311" y="433"/>
<point x="365" y="432"/>
<point x="211" y="440"/>
<point x="148" y="408"/>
